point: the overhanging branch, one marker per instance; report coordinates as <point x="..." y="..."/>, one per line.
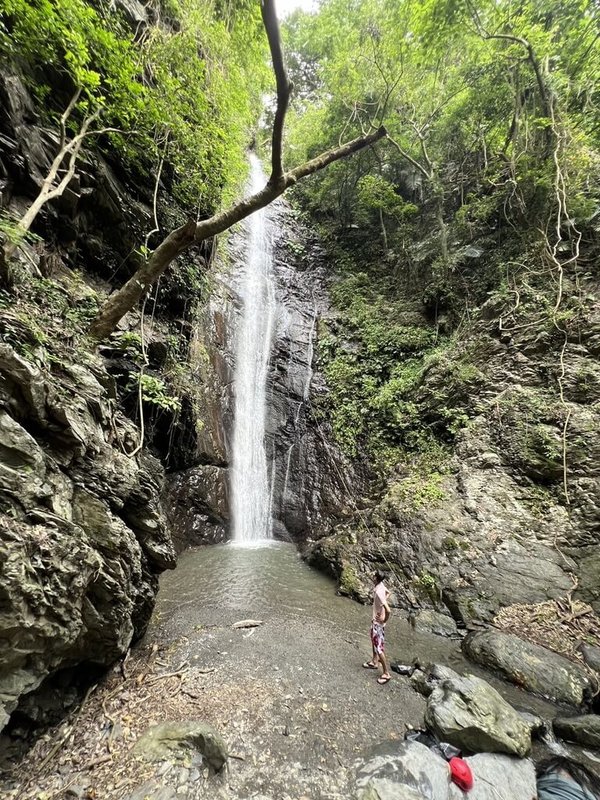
<point x="191" y="233"/>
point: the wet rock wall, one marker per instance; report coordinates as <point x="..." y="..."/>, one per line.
<point x="308" y="475"/>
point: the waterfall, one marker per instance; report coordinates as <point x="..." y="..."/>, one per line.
<point x="250" y="488"/>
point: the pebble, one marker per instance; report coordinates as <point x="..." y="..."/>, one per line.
<point x="76" y="791"/>
<point x="183" y="777"/>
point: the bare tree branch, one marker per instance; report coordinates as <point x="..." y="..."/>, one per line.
<point x="52" y="187"/>
<point x="335" y="154"/>
<point x="409" y="158"/>
<point x="65" y="116"/>
<point x="179" y="240"/>
<point x="284" y="87"/>
<point x="544" y="91"/>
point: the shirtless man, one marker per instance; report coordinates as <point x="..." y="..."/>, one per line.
<point x="381" y="613"/>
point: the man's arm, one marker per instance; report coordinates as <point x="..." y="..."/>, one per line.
<point x="387" y="611"/>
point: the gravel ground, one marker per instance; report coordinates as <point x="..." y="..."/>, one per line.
<point x="289" y="697"/>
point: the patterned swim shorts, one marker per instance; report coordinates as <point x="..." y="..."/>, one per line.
<point x="377" y="637"/>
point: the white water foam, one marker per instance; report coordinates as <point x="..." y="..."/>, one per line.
<point x="250" y="490"/>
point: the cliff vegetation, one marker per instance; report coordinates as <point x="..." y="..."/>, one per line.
<point x="462" y="360"/>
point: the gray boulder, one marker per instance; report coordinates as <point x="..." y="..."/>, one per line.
<point x="498" y="777"/>
<point x="410" y="771"/>
<point x="425" y="680"/>
<point x="470" y="714"/>
<point x="179" y="741"/>
<point x="530" y="666"/>
<point x="583" y="730"/>
<point x="591" y="655"/>
<point x="429" y="621"/>
<point x="405" y="771"/>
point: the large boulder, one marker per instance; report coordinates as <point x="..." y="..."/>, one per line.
<point x="583" y="730"/>
<point x="498" y="777"/>
<point x="468" y="713"/>
<point x="429" y="621"/>
<point x="410" y="771"/>
<point x="530" y="666"/>
<point x="425" y="680"/>
<point x="405" y="771"/>
<point x="591" y="655"/>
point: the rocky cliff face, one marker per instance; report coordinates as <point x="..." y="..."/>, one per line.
<point x="311" y="480"/>
<point x="82" y="533"/>
<point x="308" y="474"/>
<point x="495" y="525"/>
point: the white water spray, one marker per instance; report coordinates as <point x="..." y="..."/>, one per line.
<point x="249" y="482"/>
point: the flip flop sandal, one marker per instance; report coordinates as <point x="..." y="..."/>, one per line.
<point x="381" y="680"/>
<point x="369" y="665"/>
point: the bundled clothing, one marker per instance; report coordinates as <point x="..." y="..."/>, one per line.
<point x="553" y="786"/>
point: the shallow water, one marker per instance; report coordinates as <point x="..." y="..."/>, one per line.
<point x="269" y="580"/>
<point x="263" y="578"/>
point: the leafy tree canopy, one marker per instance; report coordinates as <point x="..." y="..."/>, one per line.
<point x="475" y="94"/>
<point x="188" y="84"/>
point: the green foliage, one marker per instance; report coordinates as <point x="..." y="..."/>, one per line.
<point x="376" y="196"/>
<point x="11" y="233"/>
<point x="417" y="492"/>
<point x="154" y="392"/>
<point x="71" y="302"/>
<point x="489" y="108"/>
<point x="476" y="115"/>
<point x="529" y="433"/>
<point x="429" y="585"/>
<point x="395" y="391"/>
<point x="349" y="582"/>
<point x="130" y="342"/>
<point x="187" y="86"/>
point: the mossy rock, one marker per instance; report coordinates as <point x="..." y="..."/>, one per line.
<point x="528" y="430"/>
<point x="180" y="741"/>
<point x="350" y="585"/>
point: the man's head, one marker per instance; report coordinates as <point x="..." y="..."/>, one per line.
<point x="379" y="576"/>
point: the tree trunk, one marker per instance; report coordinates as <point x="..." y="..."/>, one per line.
<point x="439" y="212"/>
<point x="383" y="231"/>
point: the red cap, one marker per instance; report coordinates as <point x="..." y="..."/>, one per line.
<point x="460" y="774"/>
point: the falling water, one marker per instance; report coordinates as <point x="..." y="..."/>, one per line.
<point x="250" y="484"/>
